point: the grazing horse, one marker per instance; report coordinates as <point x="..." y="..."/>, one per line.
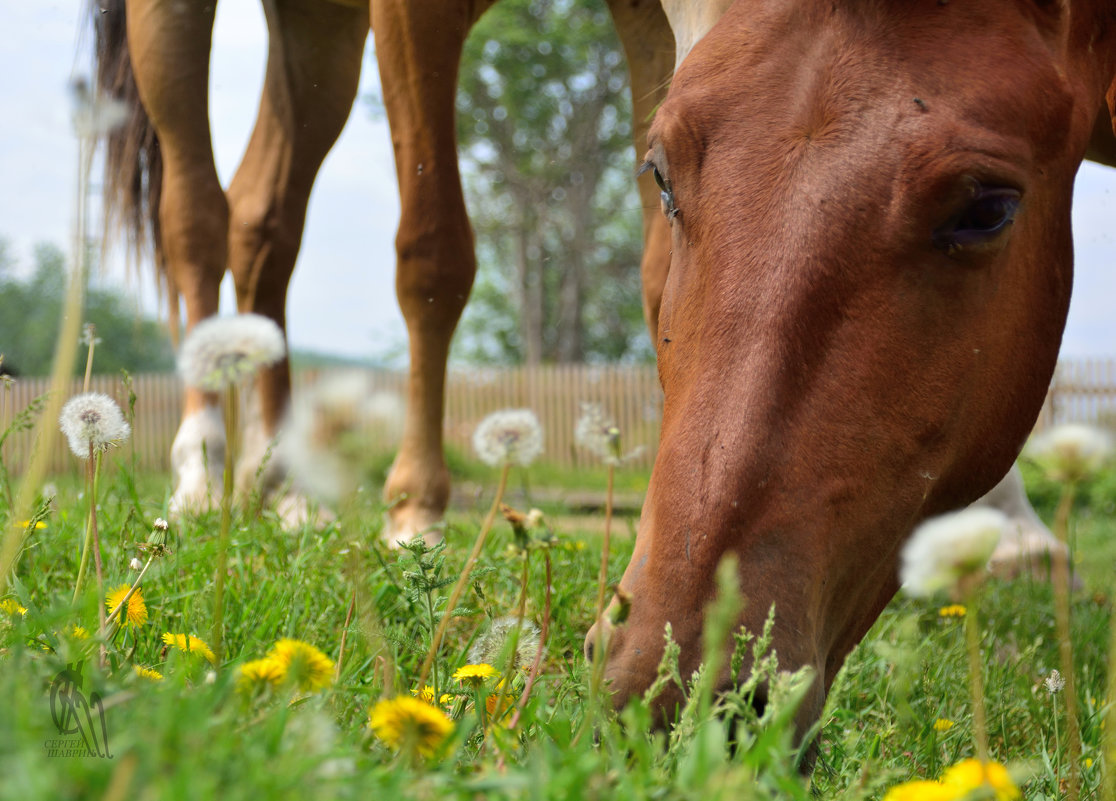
<point x="857" y="264"/>
<point x="871" y="264"/>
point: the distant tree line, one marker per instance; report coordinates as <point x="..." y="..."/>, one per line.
<point x="31" y="308"/>
<point x="544" y="133"/>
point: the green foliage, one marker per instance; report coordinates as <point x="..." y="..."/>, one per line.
<point x="544" y="128"/>
<point x="191" y="737"/>
<point x="29" y="316"/>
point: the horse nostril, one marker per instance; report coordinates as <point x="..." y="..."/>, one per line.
<point x="590" y="642"/>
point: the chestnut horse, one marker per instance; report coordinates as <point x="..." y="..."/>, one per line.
<point x="857" y="264"/>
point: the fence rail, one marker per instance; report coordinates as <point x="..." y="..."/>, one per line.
<point x="1082" y="391"/>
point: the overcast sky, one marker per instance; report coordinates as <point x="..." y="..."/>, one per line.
<point x="342" y="299"/>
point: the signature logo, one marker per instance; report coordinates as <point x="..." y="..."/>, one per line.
<point x="80" y="720"/>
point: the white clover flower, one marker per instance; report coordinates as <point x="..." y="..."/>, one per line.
<point x="511" y="436"/>
<point x="946" y="549"/>
<point x="489" y="647"/>
<point x="92" y="419"/>
<point x="326" y="437"/>
<point x="1054" y="682"/>
<point x="1071" y="451"/>
<point x="225" y="350"/>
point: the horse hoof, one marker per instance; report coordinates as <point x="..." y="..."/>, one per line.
<point x="295" y="511"/>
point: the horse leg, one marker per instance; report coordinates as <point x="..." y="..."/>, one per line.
<point x="169" y="46"/>
<point x="418" y="45"/>
<point x="313" y="68"/>
<point x="649" y="46"/>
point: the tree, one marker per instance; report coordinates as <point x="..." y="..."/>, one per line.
<point x="544" y="133"/>
<point x="30" y="310"/>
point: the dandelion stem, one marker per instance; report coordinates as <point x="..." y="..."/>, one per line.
<point x="89" y="362"/>
<point x="459" y="587"/>
<point x="128" y="595"/>
<point x="1061" y="581"/>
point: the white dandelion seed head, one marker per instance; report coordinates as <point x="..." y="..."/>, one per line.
<point x="160" y="524"/>
<point x="511" y="436"/>
<point x="135" y="564"/>
<point x="333" y="427"/>
<point x="945" y="549"/>
<point x="1054" y="682"/>
<point x="93" y="419"/>
<point x="226" y="350"/>
<point x="1071" y="451"/>
<point x="598" y="433"/>
<point x="93" y="115"/>
<point x="489" y="647"/>
<point x="89" y="335"/>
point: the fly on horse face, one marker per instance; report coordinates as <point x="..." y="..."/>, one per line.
<point x="857" y="264"/>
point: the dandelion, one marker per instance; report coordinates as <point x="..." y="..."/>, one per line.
<point x="265" y="672"/>
<point x="302" y="665"/>
<point x="92" y="422"/>
<point x="189" y="644"/>
<point x="220" y="351"/>
<point x="1071" y="452"/>
<point x="12" y="607"/>
<point x="95" y="116"/>
<point x="148" y="673"/>
<point x="944" y="550"/>
<point x="475" y="675"/>
<point x="79" y="632"/>
<point x="26" y="524"/>
<point x="971" y="774"/>
<point x="489" y="647"/>
<point x="1054" y="682"/>
<point x="920" y="790"/>
<point x="135" y="612"/>
<point x="598" y="433"/>
<point x="426" y="693"/>
<point x="943" y="724"/>
<point x="135" y="564"/>
<point x="410" y="724"/>
<point x="511" y="436"/>
<point x="953" y="610"/>
<point x="160" y="524"/>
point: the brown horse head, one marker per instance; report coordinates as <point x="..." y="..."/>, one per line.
<point x="870" y="213"/>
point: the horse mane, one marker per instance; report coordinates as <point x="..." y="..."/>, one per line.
<point x="133" y="176"/>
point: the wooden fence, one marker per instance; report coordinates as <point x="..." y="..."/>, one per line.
<point x="1082" y="391"/>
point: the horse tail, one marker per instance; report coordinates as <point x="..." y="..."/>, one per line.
<point x="133" y="176"/>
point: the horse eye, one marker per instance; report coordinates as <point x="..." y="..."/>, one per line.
<point x="659" y="179"/>
<point x="981" y="221"/>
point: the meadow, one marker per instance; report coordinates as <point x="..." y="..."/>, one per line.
<point x="178" y="726"/>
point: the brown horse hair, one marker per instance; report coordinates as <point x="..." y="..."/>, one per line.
<point x="133" y="177"/>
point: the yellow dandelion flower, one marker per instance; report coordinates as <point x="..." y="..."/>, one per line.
<point x="410" y="724"/>
<point x="966" y="776"/>
<point x="39" y="524"/>
<point x="921" y="790"/>
<point x="148" y="673"/>
<point x="302" y="664"/>
<point x="943" y="724"/>
<point x="11" y="607"/>
<point x="79" y="632"/>
<point x="259" y="672"/>
<point x="953" y="610"/>
<point x="188" y="643"/>
<point x="135" y="614"/>
<point x="1088" y="762"/>
<point x="474" y="675"/>
<point x="427" y="694"/>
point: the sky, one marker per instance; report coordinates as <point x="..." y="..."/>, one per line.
<point x="342" y="298"/>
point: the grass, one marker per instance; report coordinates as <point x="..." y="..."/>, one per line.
<point x="194" y="735"/>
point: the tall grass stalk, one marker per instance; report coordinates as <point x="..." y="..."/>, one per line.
<point x="971" y="593"/>
<point x="459" y="587"/>
<point x="231" y="414"/>
<point x="65" y="354"/>
<point x="602" y="582"/>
